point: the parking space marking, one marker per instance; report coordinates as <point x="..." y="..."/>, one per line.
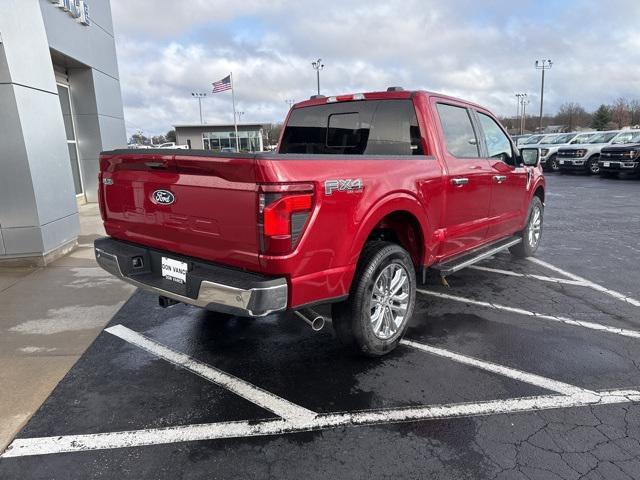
<point x="587" y="283"/>
<point x="568" y="321"/>
<point x="529" y="275"/>
<point x="267" y="400"/>
<point x="531" y="378"/>
<point x="23" y="447"/>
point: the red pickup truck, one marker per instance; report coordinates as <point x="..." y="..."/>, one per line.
<point x="364" y="195"/>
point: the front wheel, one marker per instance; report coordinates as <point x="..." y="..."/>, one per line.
<point x="593" y="168"/>
<point x="553" y="163"/>
<point x="532" y="232"/>
<point x="375" y="317"/>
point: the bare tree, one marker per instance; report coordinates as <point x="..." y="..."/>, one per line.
<point x="572" y="115"/>
<point x="620" y="113"/>
<point x="634" y="110"/>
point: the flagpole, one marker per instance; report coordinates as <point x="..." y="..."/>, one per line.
<point x="235" y="118"/>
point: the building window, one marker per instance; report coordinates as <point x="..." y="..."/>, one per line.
<point x="248" y="141"/>
<point x="67" y="116"/>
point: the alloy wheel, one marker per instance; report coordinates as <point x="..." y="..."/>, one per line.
<point x="389" y="301"/>
<point x="535" y="227"/>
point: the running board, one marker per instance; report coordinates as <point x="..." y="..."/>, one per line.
<point x="474" y="256"/>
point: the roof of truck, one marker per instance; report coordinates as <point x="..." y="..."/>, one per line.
<point x="382" y="95"/>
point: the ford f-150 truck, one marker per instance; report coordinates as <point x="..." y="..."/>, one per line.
<point x="584" y="157"/>
<point x="622" y="158"/>
<point x="365" y="194"/>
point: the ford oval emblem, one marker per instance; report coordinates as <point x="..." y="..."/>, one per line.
<point x="163" y="197"/>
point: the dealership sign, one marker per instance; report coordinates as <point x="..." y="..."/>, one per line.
<point x="78" y="9"/>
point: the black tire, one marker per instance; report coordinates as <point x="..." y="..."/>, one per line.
<point x="553" y="164"/>
<point x="528" y="246"/>
<point x="352" y="319"/>
<point x="592" y="167"/>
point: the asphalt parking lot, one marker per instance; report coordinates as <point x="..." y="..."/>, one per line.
<point x="522" y="369"/>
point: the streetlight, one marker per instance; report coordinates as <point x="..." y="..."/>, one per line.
<point x="317" y="66"/>
<point x="290" y="102"/>
<point x="518" y="102"/>
<point x="199" y="96"/>
<point x="239" y="114"/>
<point x="523" y="121"/>
<point x="542" y="65"/>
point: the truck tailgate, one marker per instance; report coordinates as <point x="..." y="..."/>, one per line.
<point x="201" y="206"/>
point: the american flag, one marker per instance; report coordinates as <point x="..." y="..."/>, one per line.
<point x="222" y="85"/>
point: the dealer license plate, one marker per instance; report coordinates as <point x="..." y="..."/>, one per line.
<point x="606" y="164"/>
<point x="561" y="162"/>
<point x="174" y="270"/>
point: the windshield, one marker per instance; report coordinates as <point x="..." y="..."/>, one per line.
<point x="548" y="139"/>
<point x="532" y="139"/>
<point x="627" y="137"/>
<point x="583" y="137"/>
<point x="566" y="138"/>
<point x="603" y="137"/>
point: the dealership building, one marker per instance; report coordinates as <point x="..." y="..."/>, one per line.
<point x="60" y="105"/>
<point x="219" y="137"/>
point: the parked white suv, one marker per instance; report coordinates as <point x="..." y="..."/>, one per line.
<point x="173" y="145"/>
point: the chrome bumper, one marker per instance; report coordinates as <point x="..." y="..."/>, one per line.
<point x="247" y="296"/>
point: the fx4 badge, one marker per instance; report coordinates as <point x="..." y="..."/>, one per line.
<point x="342" y="185"/>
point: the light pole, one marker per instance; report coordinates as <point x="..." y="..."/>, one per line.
<point x="290" y="102"/>
<point x="199" y="96"/>
<point x="542" y="65"/>
<point x="239" y="114"/>
<point x="317" y="66"/>
<point x="519" y="97"/>
<point x="523" y="121"/>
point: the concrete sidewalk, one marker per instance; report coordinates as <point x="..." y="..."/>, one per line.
<point x="48" y="318"/>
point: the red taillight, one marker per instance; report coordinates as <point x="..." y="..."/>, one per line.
<point x="277" y="216"/>
<point x="283" y="213"/>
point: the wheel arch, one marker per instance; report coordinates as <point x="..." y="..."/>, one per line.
<point x="400" y="219"/>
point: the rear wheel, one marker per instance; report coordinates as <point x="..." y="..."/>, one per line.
<point x="532" y="232"/>
<point x="592" y="165"/>
<point x="375" y="317"/>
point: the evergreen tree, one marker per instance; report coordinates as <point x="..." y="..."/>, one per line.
<point x="601" y="118"/>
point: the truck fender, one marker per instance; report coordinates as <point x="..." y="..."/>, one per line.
<point x="399" y="202"/>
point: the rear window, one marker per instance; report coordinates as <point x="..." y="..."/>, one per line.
<point x="371" y="127"/>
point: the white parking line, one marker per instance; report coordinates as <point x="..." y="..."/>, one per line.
<point x="246" y="390"/>
<point x="23" y="447"/>
<point x="526" y="377"/>
<point x="529" y="275"/>
<point x="587" y="283"/>
<point x="568" y="321"/>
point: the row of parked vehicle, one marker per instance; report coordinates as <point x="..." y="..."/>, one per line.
<point x="607" y="153"/>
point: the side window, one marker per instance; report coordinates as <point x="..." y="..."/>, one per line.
<point x="459" y="136"/>
<point x="497" y="142"/>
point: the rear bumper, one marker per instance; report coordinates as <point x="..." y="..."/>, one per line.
<point x="210" y="286"/>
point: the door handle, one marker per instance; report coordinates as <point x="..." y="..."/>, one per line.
<point x="460" y="181"/>
<point x="499" y="178"/>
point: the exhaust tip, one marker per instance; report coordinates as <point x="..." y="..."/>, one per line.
<point x="317" y="324"/>
<point x="313" y="319"/>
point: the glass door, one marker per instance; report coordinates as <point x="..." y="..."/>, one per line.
<point x="65" y="104"/>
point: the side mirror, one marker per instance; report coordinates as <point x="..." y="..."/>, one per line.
<point x="530" y="156"/>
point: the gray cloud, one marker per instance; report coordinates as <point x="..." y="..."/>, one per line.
<point x="481" y="51"/>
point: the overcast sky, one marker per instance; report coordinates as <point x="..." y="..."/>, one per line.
<point x="478" y="50"/>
